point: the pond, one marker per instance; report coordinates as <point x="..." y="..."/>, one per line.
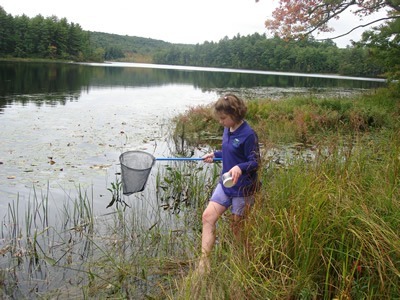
<point x="64" y="126"/>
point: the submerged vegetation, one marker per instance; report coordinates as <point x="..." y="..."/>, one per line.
<point x="325" y="224"/>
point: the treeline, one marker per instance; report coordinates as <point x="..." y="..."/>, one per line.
<point x="55" y="38"/>
<point x="127" y="48"/>
<point x="256" y="52"/>
<point x="41" y="37"/>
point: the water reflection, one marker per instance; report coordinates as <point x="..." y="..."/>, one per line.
<point x="63" y="82"/>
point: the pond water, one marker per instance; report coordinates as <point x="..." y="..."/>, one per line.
<point x="65" y="125"/>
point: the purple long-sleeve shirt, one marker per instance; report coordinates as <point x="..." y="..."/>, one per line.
<point x="240" y="148"/>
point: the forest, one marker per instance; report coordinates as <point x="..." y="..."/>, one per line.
<point x="256" y="52"/>
<point x="55" y="38"/>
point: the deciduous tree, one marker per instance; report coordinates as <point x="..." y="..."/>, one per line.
<point x="297" y="18"/>
<point x="294" y="19"/>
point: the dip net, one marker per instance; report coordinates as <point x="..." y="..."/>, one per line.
<point x="135" y="170"/>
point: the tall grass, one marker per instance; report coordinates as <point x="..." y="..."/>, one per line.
<point x="329" y="230"/>
<point x="325" y="229"/>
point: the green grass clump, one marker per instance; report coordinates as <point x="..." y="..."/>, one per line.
<point x="330" y="229"/>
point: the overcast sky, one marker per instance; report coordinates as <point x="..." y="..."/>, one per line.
<point x="175" y="21"/>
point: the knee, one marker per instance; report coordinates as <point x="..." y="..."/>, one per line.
<point x="208" y="218"/>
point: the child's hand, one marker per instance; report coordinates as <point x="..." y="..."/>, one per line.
<point x="235" y="172"/>
<point x="208" y="158"/>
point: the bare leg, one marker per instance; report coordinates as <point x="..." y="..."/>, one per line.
<point x="210" y="217"/>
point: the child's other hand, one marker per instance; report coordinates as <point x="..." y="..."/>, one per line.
<point x="235" y="172"/>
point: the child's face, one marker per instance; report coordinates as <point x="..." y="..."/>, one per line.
<point x="226" y="120"/>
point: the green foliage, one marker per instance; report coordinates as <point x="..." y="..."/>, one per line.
<point x="55" y="38"/>
<point x="41" y="37"/>
<point x="256" y="52"/>
<point x="116" y="194"/>
<point x="127" y="48"/>
<point x="186" y="185"/>
<point x="383" y="44"/>
<point x="330" y="229"/>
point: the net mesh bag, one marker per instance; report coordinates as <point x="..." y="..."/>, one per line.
<point x="135" y="170"/>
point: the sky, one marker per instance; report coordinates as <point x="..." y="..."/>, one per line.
<point x="174" y="21"/>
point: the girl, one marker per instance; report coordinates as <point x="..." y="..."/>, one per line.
<point x="240" y="158"/>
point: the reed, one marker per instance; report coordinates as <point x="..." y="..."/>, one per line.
<point x="45" y="240"/>
<point x="327" y="229"/>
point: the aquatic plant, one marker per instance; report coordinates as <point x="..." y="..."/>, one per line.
<point x="116" y="194"/>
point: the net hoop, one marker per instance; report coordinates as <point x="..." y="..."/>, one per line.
<point x="135" y="170"/>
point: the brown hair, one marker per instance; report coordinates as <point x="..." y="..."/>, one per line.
<point x="231" y="105"/>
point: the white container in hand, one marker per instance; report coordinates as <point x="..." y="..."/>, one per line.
<point x="227" y="180"/>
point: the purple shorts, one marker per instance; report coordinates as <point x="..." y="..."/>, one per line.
<point x="238" y="204"/>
